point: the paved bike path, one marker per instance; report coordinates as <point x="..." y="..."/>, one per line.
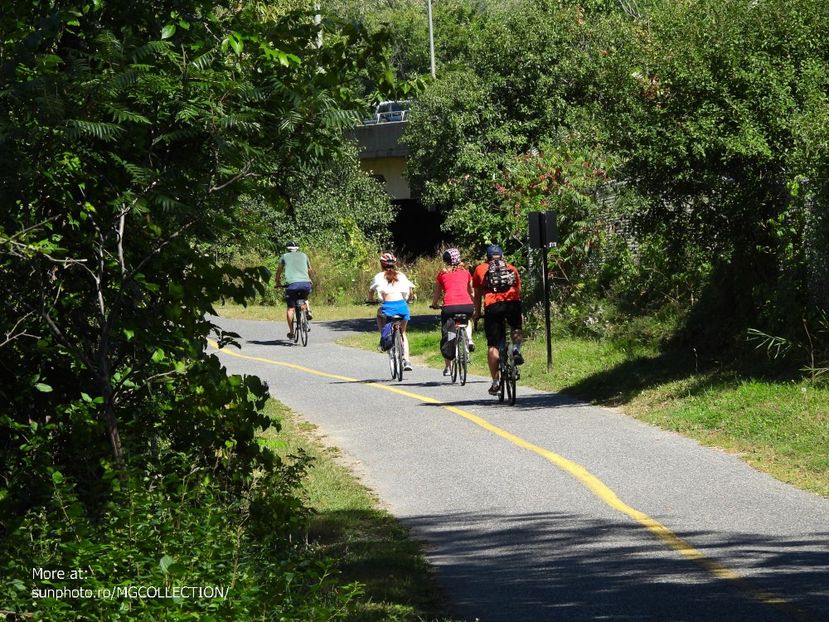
<point x="553" y="509"/>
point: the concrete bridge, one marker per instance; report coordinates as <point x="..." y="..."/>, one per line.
<point x="383" y="155"/>
<point x="416" y="229"/>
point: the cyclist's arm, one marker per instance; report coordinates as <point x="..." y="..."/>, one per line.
<point x="411" y="295"/>
<point x="436" y="294"/>
<point x="278" y="277"/>
<point x="477" y="296"/>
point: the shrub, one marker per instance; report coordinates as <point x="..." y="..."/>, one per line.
<point x="167" y="525"/>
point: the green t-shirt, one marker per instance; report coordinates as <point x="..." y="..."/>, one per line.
<point x="296" y="266"/>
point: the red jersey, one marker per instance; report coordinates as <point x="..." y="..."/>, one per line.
<point x="455" y="286"/>
<point x="478" y="282"/>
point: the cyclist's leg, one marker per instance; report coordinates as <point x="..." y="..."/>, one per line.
<point x="289" y="317"/>
<point x="444" y="316"/>
<point x="381" y="319"/>
<point x="289" y="313"/>
<point x="306" y="295"/>
<point x="494" y="329"/>
<point x="403" y="325"/>
<point x="514" y="317"/>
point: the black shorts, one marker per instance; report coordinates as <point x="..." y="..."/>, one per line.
<point x="495" y="316"/>
<point x="300" y="290"/>
<point x="450" y="311"/>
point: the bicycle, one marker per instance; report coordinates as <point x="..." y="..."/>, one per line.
<point x="396" y="350"/>
<point x="508" y="373"/>
<point x="459" y="365"/>
<point x="301" y="327"/>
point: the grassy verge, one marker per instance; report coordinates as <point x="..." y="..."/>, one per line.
<point x="348" y="525"/>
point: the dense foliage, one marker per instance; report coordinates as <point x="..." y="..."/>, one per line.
<point x="128" y="131"/>
<point x="707" y="121"/>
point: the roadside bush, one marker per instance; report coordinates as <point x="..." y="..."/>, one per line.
<point x="341" y="280"/>
<point x="167" y="525"/>
<point x="422" y="272"/>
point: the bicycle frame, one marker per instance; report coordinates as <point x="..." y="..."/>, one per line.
<point x="301" y="321"/>
<point x="508" y="373"/>
<point x="396" y="351"/>
<point x="459" y="366"/>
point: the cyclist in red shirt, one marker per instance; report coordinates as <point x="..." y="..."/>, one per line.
<point x="454" y="284"/>
<point x="502" y="303"/>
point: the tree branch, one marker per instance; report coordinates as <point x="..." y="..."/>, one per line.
<point x="10" y="336"/>
<point x="242" y="175"/>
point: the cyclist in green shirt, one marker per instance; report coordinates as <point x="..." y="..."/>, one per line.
<point x="297" y="270"/>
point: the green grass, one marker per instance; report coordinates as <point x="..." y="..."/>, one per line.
<point x="321" y="312"/>
<point x="348" y="525"/>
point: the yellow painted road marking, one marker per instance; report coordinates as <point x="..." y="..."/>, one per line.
<point x="590" y="481"/>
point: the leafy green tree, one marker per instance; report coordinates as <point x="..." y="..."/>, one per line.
<point x="707" y="110"/>
<point x="487" y="110"/>
<point x="127" y="131"/>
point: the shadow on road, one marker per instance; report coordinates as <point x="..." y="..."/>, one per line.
<point x="560" y="566"/>
<point x="365" y="325"/>
<point x="272" y="342"/>
<point x="475" y="394"/>
<point x="526" y="403"/>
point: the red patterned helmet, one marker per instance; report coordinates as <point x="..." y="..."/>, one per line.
<point x="452" y="256"/>
<point x="387" y="260"/>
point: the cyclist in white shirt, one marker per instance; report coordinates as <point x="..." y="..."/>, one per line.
<point x="394" y="290"/>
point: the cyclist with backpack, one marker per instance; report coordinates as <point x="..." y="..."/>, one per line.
<point x="497" y="285"/>
<point x="297" y="269"/>
<point x="454" y="284"/>
<point x="395" y="291"/>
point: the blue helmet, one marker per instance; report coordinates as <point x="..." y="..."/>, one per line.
<point x="292" y="246"/>
<point x="494" y="250"/>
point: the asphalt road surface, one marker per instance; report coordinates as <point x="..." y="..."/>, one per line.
<point x="552" y="510"/>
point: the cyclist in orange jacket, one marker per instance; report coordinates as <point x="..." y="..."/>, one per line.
<point x="498" y="286"/>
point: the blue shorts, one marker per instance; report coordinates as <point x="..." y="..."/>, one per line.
<point x="396" y="307"/>
<point x="297" y="291"/>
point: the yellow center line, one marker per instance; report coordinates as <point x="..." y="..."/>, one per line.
<point x="590" y="481"/>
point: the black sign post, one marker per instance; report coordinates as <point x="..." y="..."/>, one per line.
<point x="543" y="235"/>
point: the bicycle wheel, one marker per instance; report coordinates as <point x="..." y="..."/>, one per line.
<point x="303" y="327"/>
<point x="510" y="383"/>
<point x="453" y="365"/>
<point x="297" y="313"/>
<point x="502" y="371"/>
<point x="398" y="356"/>
<point x="462" y="356"/>
<point x="393" y="359"/>
<point x="392" y="363"/>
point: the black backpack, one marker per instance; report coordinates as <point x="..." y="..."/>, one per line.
<point x="447" y="340"/>
<point x="499" y="278"/>
<point x="387" y="337"/>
